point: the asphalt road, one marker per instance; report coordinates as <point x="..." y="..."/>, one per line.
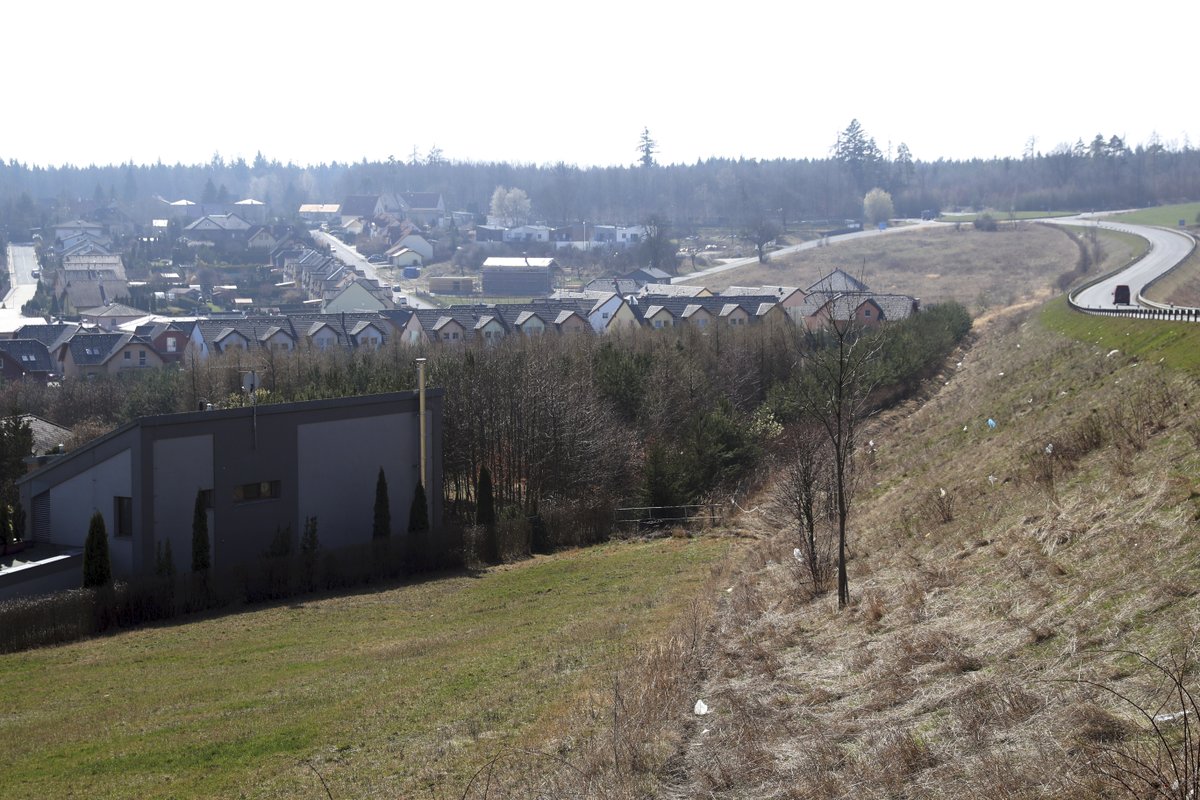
<point x="1167" y="248"/>
<point x="350" y="256"/>
<point x="911" y="225"/>
<point x="22" y="261"/>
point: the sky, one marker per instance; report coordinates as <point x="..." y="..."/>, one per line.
<point x="543" y="82"/>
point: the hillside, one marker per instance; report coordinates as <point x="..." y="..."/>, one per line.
<point x="983" y="618"/>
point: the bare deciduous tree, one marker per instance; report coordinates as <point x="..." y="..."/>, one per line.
<point x="835" y="383"/>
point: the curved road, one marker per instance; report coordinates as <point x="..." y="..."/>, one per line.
<point x="1167" y="248"/>
<point x="914" y="224"/>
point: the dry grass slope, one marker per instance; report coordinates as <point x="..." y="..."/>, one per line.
<point x="959" y="671"/>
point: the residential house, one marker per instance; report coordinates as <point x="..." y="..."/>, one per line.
<point x="110" y="317"/>
<point x="77" y="294"/>
<point x="838" y="282"/>
<point x="26" y="358"/>
<point x="524" y="234"/>
<point x="519" y="276"/>
<point x="106" y="265"/>
<point x="89" y="354"/>
<point x="359" y="295"/>
<point x="219" y="229"/>
<point x="251" y="210"/>
<point x="423" y="208"/>
<point x="400" y="256"/>
<point x="319" y="212"/>
<point x="674" y="290"/>
<point x="170" y="338"/>
<point x="649" y="275"/>
<point x="261" y="238"/>
<point x="257" y="471"/>
<point x="65" y="230"/>
<point x="360" y="206"/>
<point x="417" y="243"/>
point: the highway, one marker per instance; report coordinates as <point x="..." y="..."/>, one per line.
<point x="1167" y="248"/>
<point x="22" y="261"/>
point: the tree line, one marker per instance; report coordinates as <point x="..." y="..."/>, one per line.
<point x="1103" y="172"/>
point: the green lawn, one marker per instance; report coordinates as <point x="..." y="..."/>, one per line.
<point x="1177" y="344"/>
<point x="394" y="692"/>
<point x="1168" y="216"/>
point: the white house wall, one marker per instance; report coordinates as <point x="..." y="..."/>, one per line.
<point x="75" y="500"/>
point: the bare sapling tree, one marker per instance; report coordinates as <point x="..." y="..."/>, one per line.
<point x="800" y="496"/>
<point x="1163" y="762"/>
<point x="836" y="380"/>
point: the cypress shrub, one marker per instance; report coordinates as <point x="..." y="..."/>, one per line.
<point x="97" y="569"/>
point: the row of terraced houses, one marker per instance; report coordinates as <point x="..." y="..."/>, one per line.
<point x="73" y="349"/>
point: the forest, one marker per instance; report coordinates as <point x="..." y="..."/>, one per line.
<point x="1097" y="172"/>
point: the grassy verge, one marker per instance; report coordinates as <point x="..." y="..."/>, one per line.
<point x="398" y="692"/>
<point x="1176" y="345"/>
<point x="1167" y="216"/>
<point x="1180" y="286"/>
<point x="1003" y="216"/>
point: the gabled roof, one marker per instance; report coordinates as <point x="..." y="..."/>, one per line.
<point x="224" y="222"/>
<point x="621" y="286"/>
<point x="90" y="349"/>
<point x="114" y="310"/>
<point x="51" y="335"/>
<point x="672" y="290"/>
<point x="422" y="201"/>
<point x="781" y="292"/>
<point x="838" y="282"/>
<point x="359" y="205"/>
<point x="31" y="354"/>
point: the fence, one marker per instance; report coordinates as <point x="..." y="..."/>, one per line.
<point x="639" y="518"/>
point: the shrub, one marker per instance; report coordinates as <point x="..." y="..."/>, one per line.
<point x="985" y="222"/>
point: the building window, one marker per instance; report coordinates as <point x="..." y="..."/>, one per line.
<point x="141" y="358"/>
<point x="122" y="516"/>
<point x="866" y="312"/>
<point x="250" y="492"/>
<point x="171" y="345"/>
<point x="128" y="356"/>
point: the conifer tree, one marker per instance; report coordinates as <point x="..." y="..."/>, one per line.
<point x="382" y="526"/>
<point x="201" y="559"/>
<point x="97" y="569"/>
<point x="418" y="514"/>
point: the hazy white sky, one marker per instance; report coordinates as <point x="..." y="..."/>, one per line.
<point x="541" y="82"/>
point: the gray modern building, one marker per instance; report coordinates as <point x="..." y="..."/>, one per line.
<point x="260" y="470"/>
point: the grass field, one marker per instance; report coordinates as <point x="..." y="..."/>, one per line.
<point x="934" y="264"/>
<point x="399" y="692"/>
<point x="1167" y="216"/>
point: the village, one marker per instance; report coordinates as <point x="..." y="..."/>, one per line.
<point x="114" y="294"/>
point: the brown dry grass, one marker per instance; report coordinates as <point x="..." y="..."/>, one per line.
<point x="936" y="264"/>
<point x="953" y="672"/>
